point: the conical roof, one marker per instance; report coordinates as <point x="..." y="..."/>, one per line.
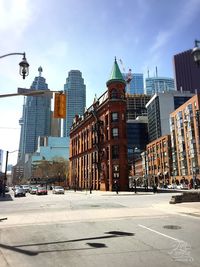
<point x="116" y="74"/>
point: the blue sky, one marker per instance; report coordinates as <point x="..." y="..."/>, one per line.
<point x="61" y="35"/>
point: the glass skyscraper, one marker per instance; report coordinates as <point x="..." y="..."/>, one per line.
<point x="159" y="84"/>
<point x="136" y="85"/>
<point x="36" y="117"/>
<point x="75" y="91"/>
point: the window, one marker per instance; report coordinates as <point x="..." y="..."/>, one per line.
<point x="106" y="119"/>
<point x="115" y="168"/>
<point x="115" y="132"/>
<point x="114" y="93"/>
<point x="114" y="116"/>
<point x="115" y="152"/>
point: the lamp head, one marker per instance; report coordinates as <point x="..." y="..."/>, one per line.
<point x="196" y="53"/>
<point x="24" y="67"/>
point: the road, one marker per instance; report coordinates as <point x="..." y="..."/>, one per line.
<point x="99" y="229"/>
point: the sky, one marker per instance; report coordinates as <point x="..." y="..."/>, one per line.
<point x="61" y="35"/>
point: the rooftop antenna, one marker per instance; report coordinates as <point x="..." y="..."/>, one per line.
<point x="156" y="72"/>
<point x="148" y="73"/>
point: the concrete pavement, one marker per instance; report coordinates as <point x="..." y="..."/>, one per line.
<point x="68" y="214"/>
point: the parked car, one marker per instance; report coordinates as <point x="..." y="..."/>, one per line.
<point x="58" y="190"/>
<point x="41" y="191"/>
<point x="16" y="187"/>
<point x="182" y="186"/>
<point x="33" y="190"/>
<point x="19" y="192"/>
<point x="172" y="186"/>
<point x="26" y="187"/>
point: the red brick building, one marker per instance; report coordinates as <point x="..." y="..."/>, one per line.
<point x="159" y="158"/>
<point x="98" y="141"/>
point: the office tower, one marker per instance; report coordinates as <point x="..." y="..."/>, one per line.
<point x="1" y="160"/>
<point x="158" y="111"/>
<point x="75" y="91"/>
<point x="36" y="118"/>
<point x="187" y="73"/>
<point x="136" y="85"/>
<point x="159" y="84"/>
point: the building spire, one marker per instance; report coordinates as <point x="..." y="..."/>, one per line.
<point x="40" y="71"/>
<point x="116" y="74"/>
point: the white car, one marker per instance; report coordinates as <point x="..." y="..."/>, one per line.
<point x="183" y="186"/>
<point x="172" y="186"/>
<point x="58" y="190"/>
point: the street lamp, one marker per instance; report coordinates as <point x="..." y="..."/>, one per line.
<point x="196" y="53"/>
<point x="23" y="65"/>
<point x="6" y="167"/>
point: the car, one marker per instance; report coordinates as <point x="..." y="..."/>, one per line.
<point x="58" y="190"/>
<point x="26" y="187"/>
<point x="33" y="190"/>
<point x="19" y="192"/>
<point x="172" y="186"/>
<point x="16" y="187"/>
<point x="182" y="186"/>
<point x="41" y="191"/>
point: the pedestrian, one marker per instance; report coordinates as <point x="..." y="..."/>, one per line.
<point x="155" y="190"/>
<point x="116" y="187"/>
<point x="135" y="185"/>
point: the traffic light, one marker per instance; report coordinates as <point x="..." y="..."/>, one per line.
<point x="60" y="106"/>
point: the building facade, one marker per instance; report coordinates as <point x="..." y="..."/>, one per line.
<point x="159" y="84"/>
<point x="185" y="138"/>
<point x="159" y="108"/>
<point x="98" y="141"/>
<point x="186" y="72"/>
<point x="160" y="160"/>
<point x="75" y="91"/>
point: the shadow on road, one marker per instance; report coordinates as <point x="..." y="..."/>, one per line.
<point x="111" y="234"/>
<point x="6" y="198"/>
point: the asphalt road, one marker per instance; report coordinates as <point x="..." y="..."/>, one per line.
<point x="99" y="229"/>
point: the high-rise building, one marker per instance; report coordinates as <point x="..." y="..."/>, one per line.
<point x="187" y="73"/>
<point x="158" y="111"/>
<point x="159" y="84"/>
<point x="1" y="160"/>
<point x="75" y="91"/>
<point x="36" y="117"/>
<point x="136" y="85"/>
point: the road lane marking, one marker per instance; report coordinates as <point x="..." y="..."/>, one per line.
<point x="159" y="233"/>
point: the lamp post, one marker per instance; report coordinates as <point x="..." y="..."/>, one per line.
<point x="196" y="53"/>
<point x="23" y="65"/>
<point x="6" y="167"/>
